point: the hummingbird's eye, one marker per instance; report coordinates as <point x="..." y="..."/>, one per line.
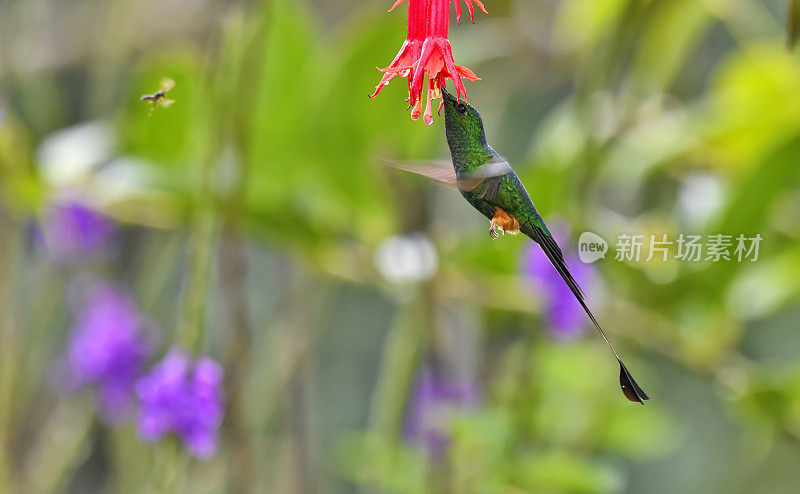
<point x="461" y="109"/>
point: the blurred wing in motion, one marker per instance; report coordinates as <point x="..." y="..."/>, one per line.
<point x="443" y="172"/>
<point x="440" y="170"/>
<point x="166" y="102"/>
<point x="166" y="85"/>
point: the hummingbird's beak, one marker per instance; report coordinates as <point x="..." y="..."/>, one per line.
<point x="446" y="95"/>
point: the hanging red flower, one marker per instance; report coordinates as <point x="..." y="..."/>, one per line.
<point x="436" y="60"/>
<point x="412" y="47"/>
<point x="427" y="51"/>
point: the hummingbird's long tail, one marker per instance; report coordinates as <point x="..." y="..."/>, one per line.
<point x="553" y="252"/>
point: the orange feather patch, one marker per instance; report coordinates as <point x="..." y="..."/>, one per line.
<point x="508" y="223"/>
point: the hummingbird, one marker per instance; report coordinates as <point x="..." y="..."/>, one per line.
<point x="487" y="181"/>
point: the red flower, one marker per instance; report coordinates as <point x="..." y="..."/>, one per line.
<point x="427" y="51"/>
<point x="412" y="47"/>
<point x="437" y="61"/>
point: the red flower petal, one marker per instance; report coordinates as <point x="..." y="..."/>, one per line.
<point x="457" y="5"/>
<point x="468" y="74"/>
<point x="404" y="61"/>
<point x="428" y="118"/>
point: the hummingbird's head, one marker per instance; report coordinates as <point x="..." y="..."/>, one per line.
<point x="463" y="124"/>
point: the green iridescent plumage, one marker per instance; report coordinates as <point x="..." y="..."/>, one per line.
<point x="490" y="185"/>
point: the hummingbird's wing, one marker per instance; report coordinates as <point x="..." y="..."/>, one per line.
<point x="443" y="172"/>
<point x="491" y="176"/>
<point x="439" y="170"/>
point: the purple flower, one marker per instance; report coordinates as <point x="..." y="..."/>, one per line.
<point x="434" y="402"/>
<point x="108" y="348"/>
<point x="72" y="230"/>
<point x="183" y="397"/>
<point x="565" y="315"/>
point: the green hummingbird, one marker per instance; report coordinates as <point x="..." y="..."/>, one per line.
<point x="489" y="184"/>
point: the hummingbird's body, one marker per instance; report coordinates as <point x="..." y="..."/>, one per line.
<point x="511" y="209"/>
<point x="496" y="197"/>
<point x="490" y="185"/>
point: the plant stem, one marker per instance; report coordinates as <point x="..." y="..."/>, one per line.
<point x="9" y="253"/>
<point x="191" y="331"/>
<point x="233" y="268"/>
<point x="170" y="465"/>
<point x="399" y="357"/>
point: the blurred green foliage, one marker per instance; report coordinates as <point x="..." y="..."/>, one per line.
<point x="252" y="209"/>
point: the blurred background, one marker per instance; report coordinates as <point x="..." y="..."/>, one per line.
<point x="373" y="337"/>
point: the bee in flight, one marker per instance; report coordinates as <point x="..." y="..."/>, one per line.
<point x="158" y="98"/>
